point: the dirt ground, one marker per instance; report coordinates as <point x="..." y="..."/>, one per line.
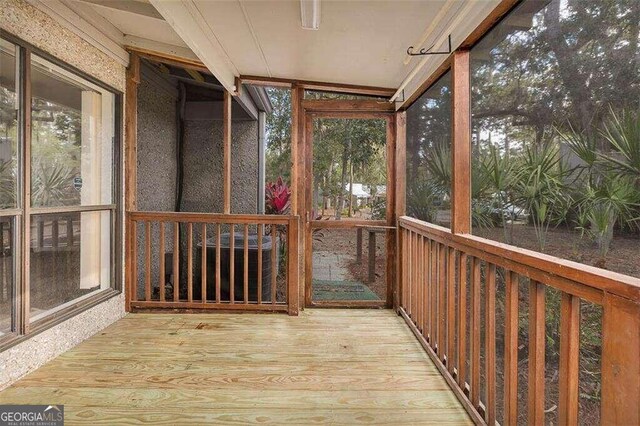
<point x="343" y="241"/>
<point x="623" y="257"/>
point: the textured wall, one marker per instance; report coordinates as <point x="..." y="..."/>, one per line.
<point x="203" y="167"/>
<point x="30" y="24"/>
<point x="34" y="26"/>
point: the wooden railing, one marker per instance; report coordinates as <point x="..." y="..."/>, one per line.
<point x="212" y="261"/>
<point x="437" y="267"/>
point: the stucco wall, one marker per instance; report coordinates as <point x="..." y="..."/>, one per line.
<point x="35" y="27"/>
<point x="203" y="167"/>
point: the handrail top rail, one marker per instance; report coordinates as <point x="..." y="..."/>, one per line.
<point x="595" y="278"/>
<point x="195" y="217"/>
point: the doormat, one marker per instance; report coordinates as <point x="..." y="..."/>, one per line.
<point x="342" y="290"/>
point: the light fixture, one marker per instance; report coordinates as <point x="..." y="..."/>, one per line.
<point x="310" y="14"/>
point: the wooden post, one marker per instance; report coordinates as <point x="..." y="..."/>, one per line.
<point x="359" y="245"/>
<point x="620" y="361"/>
<point x="293" y="279"/>
<point x="372" y="256"/>
<point x="298" y="200"/>
<point x="569" y="359"/>
<point x="391" y="213"/>
<point x="461" y="149"/>
<point x="226" y="146"/>
<point x="131" y="169"/>
<point x="401" y="164"/>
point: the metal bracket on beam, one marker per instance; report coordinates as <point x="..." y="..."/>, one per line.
<point x="427" y="51"/>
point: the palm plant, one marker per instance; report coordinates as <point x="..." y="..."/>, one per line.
<point x="422" y="196"/>
<point x="50" y="184"/>
<point x="614" y="199"/>
<point x="540" y="186"/>
<point x="622" y="131"/>
<point x="498" y="173"/>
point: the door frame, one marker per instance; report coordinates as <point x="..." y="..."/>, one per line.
<point x="349" y="109"/>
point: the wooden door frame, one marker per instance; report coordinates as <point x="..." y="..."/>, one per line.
<point x="348" y="109"/>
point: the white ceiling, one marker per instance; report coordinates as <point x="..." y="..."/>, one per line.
<point x="359" y="42"/>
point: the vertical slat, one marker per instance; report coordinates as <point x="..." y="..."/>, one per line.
<point x="134" y="262"/>
<point x="462" y="320"/>
<point x="442" y="272"/>
<point x="433" y="297"/>
<point x="424" y="267"/>
<point x="536" y="353"/>
<point x="451" y="309"/>
<point x="293" y="262"/>
<point x="161" y="283"/>
<point x="260" y="233"/>
<point x="620" y="361"/>
<point x="421" y="296"/>
<point x="569" y="359"/>
<point x="55" y="233"/>
<point x="475" y="332"/>
<point x="232" y="263"/>
<point x="190" y="262"/>
<point x="203" y="273"/>
<point x="218" y="264"/>
<point x="69" y="232"/>
<point x="147" y="261"/>
<point x="245" y="289"/>
<point x="274" y="265"/>
<point x="490" y="344"/>
<point x="176" y="261"/>
<point x="511" y="349"/>
<point x="412" y="272"/>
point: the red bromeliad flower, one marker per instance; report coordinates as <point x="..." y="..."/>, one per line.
<point x="277" y="196"/>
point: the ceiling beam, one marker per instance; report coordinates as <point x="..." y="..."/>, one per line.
<point x="135" y="7"/>
<point x="187" y="21"/>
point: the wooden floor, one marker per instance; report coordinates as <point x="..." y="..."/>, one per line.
<point x="324" y="367"/>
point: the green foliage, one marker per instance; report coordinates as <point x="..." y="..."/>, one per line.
<point x="540" y="186"/>
<point x="622" y="131"/>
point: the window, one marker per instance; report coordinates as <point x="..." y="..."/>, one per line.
<point x="9" y="102"/>
<point x="555" y="115"/>
<point x="429" y="154"/>
<point x="69" y="215"/>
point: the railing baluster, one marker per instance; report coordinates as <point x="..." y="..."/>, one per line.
<point x="176" y="261"/>
<point x="274" y="265"/>
<point x="442" y="252"/>
<point x="412" y="283"/>
<point x="218" y="261"/>
<point x="232" y="264"/>
<point x="190" y="262"/>
<point x="462" y="320"/>
<point x="420" y="286"/>
<point x="536" y="353"/>
<point x="147" y="261"/>
<point x="490" y="344"/>
<point x="425" y="287"/>
<point x="511" y="349"/>
<point x="203" y="269"/>
<point x="260" y="232"/>
<point x="161" y="278"/>
<point x="433" y="281"/>
<point x="246" y="264"/>
<point x="133" y="295"/>
<point x="451" y="309"/>
<point x="475" y="332"/>
<point x="569" y="359"/>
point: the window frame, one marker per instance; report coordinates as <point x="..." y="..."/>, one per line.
<point x="22" y="328"/>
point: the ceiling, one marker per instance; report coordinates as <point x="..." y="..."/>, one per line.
<point x="359" y="42"/>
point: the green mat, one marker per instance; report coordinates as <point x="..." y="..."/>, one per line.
<point x="342" y="290"/>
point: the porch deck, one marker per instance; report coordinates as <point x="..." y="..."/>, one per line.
<point x="325" y="366"/>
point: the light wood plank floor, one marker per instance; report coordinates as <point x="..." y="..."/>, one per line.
<point x="324" y="367"/>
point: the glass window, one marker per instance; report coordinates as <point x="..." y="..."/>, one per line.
<point x="9" y="105"/>
<point x="429" y="154"/>
<point x="70" y="259"/>
<point x="8" y="125"/>
<point x="71" y="139"/>
<point x="555" y="115"/>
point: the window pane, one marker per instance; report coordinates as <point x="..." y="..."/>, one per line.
<point x="429" y="154"/>
<point x="8" y="125"/>
<point x="70" y="258"/>
<point x="7" y="288"/>
<point x="555" y="115"/>
<point x="71" y="139"/>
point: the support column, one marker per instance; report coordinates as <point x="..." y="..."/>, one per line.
<point x="261" y="159"/>
<point x="461" y="149"/>
<point x="226" y="144"/>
